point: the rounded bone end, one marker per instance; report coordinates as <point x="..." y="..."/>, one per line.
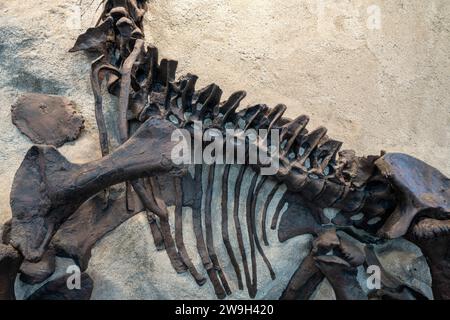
<point x="31" y="204"/>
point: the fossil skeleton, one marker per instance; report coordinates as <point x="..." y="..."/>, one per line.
<point x="398" y="195"/>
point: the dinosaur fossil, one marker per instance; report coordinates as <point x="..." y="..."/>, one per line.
<point x="398" y="195"/>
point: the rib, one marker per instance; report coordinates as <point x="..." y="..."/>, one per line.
<point x="156" y="231"/>
<point x="251" y="236"/>
<point x="264" y="212"/>
<point x="225" y="232"/>
<point x="179" y="235"/>
<point x="97" y="68"/>
<point x="209" y="233"/>
<point x="153" y="222"/>
<point x="156" y="205"/>
<point x="125" y="85"/>
<point x="124" y="97"/>
<point x="253" y="221"/>
<point x="237" y="224"/>
<point x="277" y="212"/>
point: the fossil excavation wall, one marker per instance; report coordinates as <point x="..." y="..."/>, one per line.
<point x="376" y="84"/>
<point x="371" y="88"/>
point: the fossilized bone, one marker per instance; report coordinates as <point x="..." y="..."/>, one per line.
<point x="45" y="119"/>
<point x="48" y="189"/>
<point x="57" y="289"/>
<point x="10" y="260"/>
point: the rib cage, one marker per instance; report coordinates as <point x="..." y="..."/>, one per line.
<point x="319" y="176"/>
<point x="223" y="249"/>
<point x="311" y="164"/>
<point x="309" y="160"/>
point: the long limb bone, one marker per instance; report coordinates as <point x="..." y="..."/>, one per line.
<point x="179" y="235"/>
<point x="225" y="231"/>
<point x="47" y="188"/>
<point x="10" y="261"/>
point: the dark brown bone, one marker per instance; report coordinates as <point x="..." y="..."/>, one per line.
<point x="198" y="231"/>
<point x="349" y="195"/>
<point x="125" y="85"/>
<point x="250" y="232"/>
<point x="47" y="188"/>
<point x="436" y="250"/>
<point x="225" y="231"/>
<point x="342" y="277"/>
<point x="291" y="131"/>
<point x="179" y="235"/>
<point x="209" y="231"/>
<point x="421" y="190"/>
<point x="156" y="231"/>
<point x="304" y="281"/>
<point x="10" y="261"/>
<point x="94" y="39"/>
<point x="46" y="119"/>
<point x="147" y="200"/>
<point x="276" y="215"/>
<point x="340" y="267"/>
<point x="153" y="206"/>
<point x="264" y="212"/>
<point x="298" y="219"/>
<point x="57" y="289"/>
<point x="237" y="225"/>
<point x="124" y="97"/>
<point x="392" y="288"/>
<point x="73" y="241"/>
<point x="163" y="215"/>
<point x="33" y="273"/>
<point x="253" y="221"/>
<point x="128" y="16"/>
<point x="97" y="73"/>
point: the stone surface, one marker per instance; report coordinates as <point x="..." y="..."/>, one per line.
<point x="47" y="119"/>
<point x="125" y="264"/>
<point x="373" y="89"/>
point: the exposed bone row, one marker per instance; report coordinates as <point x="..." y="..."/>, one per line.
<point x="404" y="196"/>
